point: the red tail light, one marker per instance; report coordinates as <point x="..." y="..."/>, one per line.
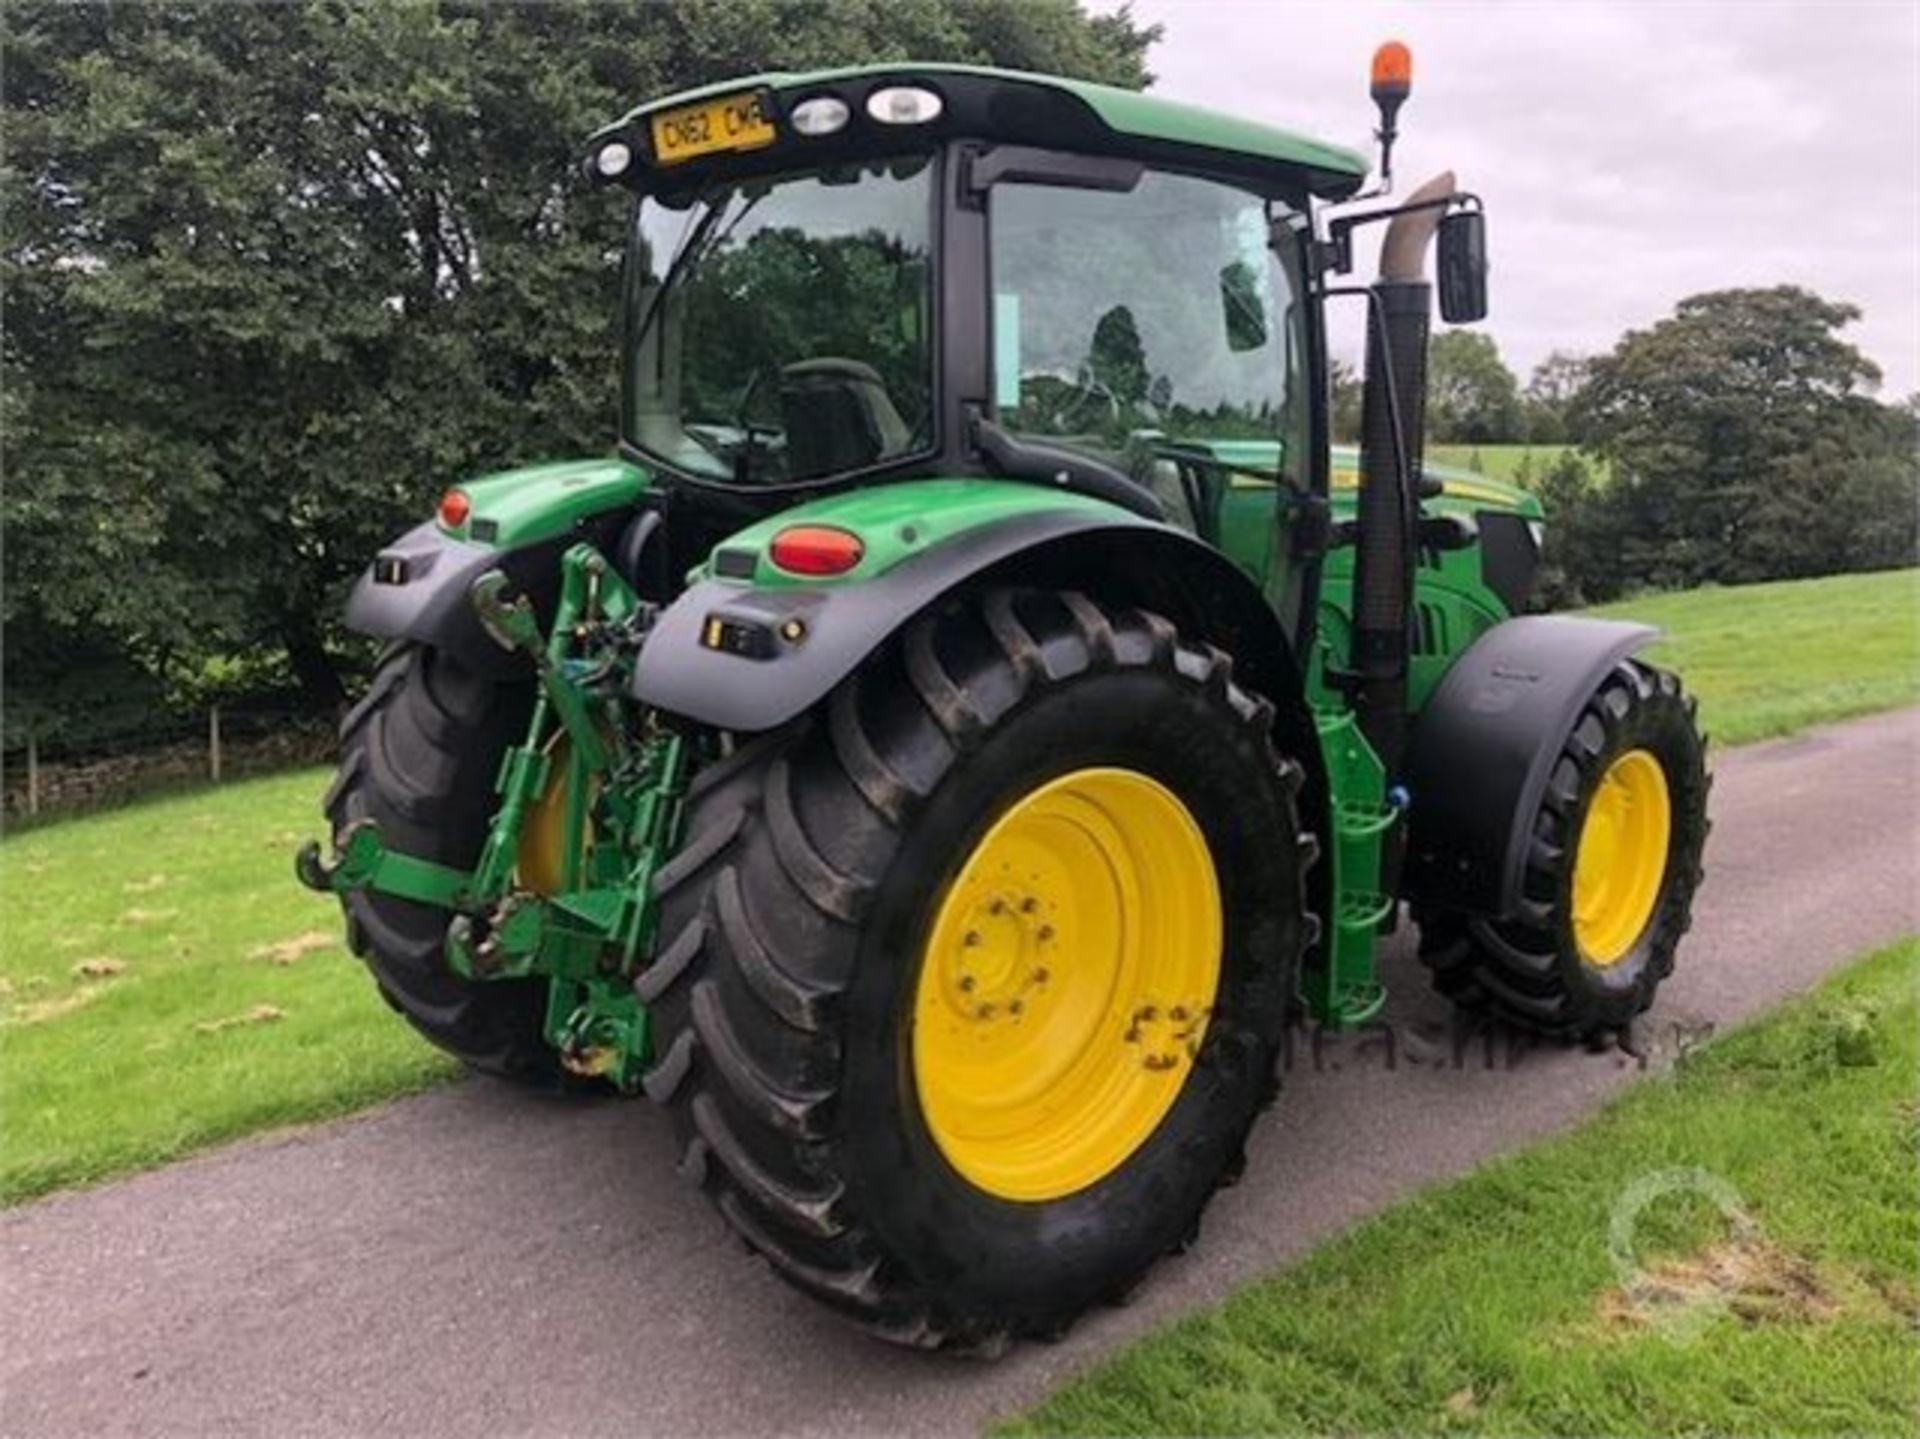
<point x="815" y="550"/>
<point x="454" y="508"/>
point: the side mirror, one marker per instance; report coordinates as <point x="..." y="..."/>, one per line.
<point x="1243" y="307"/>
<point x="1463" y="267"/>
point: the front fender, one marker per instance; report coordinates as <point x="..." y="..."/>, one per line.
<point x="1483" y="749"/>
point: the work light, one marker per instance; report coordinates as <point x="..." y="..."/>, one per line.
<point x="903" y="105"/>
<point x="822" y="115"/>
<point x="613" y="159"/>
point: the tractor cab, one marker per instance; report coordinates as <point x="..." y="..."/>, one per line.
<point x="862" y="275"/>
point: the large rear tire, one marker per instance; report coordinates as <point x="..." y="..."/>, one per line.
<point x="1614" y="860"/>
<point x="419" y="755"/>
<point x="815" y="916"/>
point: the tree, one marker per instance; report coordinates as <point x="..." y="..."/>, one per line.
<point x="1472" y="397"/>
<point x="277" y="274"/>
<point x="1575" y="567"/>
<point x="1742" y="446"/>
<point x="1550" y="392"/>
<point x="1345" y="392"/>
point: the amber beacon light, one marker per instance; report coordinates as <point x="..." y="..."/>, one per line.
<point x="1392" y="82"/>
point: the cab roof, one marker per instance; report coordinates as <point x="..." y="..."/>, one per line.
<point x="1033" y="109"/>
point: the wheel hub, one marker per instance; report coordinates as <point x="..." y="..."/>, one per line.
<point x="1001" y="963"/>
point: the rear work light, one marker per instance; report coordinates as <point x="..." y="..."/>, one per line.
<point x="904" y="105"/>
<point x="822" y="115"/>
<point x="815" y="550"/>
<point x="613" y="159"/>
<point x="454" y="508"/>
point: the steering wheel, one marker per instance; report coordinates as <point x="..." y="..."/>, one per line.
<point x="741" y="405"/>
<point x="1069" y="403"/>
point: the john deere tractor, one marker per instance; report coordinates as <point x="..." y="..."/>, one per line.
<point x="977" y="709"/>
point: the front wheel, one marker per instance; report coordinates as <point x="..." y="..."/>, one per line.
<point x="1612" y="865"/>
<point x="971" y="986"/>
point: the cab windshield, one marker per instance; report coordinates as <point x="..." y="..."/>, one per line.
<point x="779" y="328"/>
<point x="1139" y="326"/>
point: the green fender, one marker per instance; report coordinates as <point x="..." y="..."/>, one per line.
<point x="1483" y="751"/>
<point x="747" y="648"/>
<point x="518" y="521"/>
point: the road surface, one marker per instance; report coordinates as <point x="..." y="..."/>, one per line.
<point x="480" y="1260"/>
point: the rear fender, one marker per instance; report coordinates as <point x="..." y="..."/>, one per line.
<point x="1484" y="747"/>
<point x="519" y="522"/>
<point x="746" y="649"/>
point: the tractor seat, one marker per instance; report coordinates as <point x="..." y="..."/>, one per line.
<point x="838" y="417"/>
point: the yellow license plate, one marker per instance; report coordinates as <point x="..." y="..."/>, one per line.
<point x="733" y="123"/>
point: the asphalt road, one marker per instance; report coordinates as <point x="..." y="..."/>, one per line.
<point x="479" y="1260"/>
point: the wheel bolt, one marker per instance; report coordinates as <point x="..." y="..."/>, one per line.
<point x="971" y="939"/>
<point x="1046" y="931"/>
<point x="1041" y="976"/>
<point x="967" y="982"/>
<point x="999" y="906"/>
<point x="1014" y="1006"/>
<point x="1029" y="905"/>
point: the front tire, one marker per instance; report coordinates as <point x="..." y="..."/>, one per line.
<point x="799" y="982"/>
<point x="1613" y="863"/>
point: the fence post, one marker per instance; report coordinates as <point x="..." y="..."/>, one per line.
<point x="213" y="742"/>
<point x="33" y="774"/>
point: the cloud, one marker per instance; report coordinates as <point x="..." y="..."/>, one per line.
<point x="1630" y="155"/>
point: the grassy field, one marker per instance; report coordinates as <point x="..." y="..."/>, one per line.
<point x="1502" y="462"/>
<point x="1772" y="659"/>
<point x="1494" y="1304"/>
<point x="165" y="984"/>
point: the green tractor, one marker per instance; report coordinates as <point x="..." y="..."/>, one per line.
<point x="978" y="710"/>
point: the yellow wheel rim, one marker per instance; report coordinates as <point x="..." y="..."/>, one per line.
<point x="1066" y="984"/>
<point x="540" y="862"/>
<point x="1621" y="858"/>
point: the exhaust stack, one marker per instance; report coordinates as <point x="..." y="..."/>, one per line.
<point x="1392" y="434"/>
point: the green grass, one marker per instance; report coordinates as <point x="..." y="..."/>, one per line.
<point x="1771" y="659"/>
<point x="1503" y="462"/>
<point x="198" y="1035"/>
<point x="1490" y="1305"/>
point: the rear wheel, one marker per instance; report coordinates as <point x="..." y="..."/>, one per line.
<point x="419" y="754"/>
<point x="1612" y="865"/>
<point x="972" y="984"/>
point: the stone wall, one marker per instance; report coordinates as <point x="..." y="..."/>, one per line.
<point x="74" y="786"/>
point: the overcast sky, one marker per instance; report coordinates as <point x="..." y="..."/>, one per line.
<point x="1629" y="154"/>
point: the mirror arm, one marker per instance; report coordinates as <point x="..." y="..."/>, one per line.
<point x="1335" y="253"/>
